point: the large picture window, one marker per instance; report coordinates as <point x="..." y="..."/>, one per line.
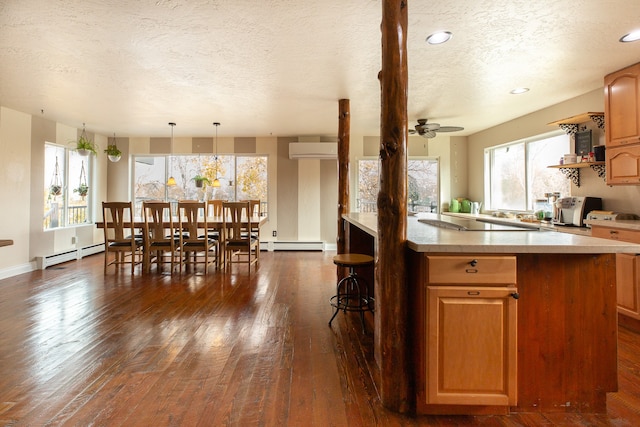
<point x="66" y="187"/>
<point x="422" y="185"/>
<point x="241" y="178"/>
<point x="516" y="174"/>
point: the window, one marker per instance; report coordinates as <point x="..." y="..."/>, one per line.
<point x="66" y="187"/>
<point x="422" y="185"/>
<point x="241" y="177"/>
<point x="516" y="174"/>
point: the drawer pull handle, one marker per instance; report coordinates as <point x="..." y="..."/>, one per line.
<point x="474" y="293"/>
<point x="473" y="262"/>
<point x="471" y="270"/>
<point x="613" y="232"/>
<point x="515" y="295"/>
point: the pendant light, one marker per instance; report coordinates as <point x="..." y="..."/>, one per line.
<point x="171" y="181"/>
<point x="216" y="182"/>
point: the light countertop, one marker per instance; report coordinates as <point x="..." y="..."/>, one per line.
<point x="428" y="238"/>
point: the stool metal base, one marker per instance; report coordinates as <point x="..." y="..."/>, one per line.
<point x="350" y="297"/>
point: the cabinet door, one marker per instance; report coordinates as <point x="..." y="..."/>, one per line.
<point x="622" y="106"/>
<point x="623" y="165"/>
<point x="472" y="348"/>
<point x="627" y="284"/>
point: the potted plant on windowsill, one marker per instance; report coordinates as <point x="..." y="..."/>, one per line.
<point x="84" y="146"/>
<point x="82" y="190"/>
<point x="113" y="152"/>
<point x="200" y="180"/>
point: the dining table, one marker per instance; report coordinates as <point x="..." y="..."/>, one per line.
<point x="216" y="223"/>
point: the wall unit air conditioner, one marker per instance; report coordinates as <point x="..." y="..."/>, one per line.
<point x="313" y="150"/>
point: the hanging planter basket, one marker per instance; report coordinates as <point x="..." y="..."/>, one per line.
<point x="55" y="188"/>
<point x="84" y="146"/>
<point x="113" y="152"/>
<point x="83" y="188"/>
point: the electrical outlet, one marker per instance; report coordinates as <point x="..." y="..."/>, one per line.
<point x="275" y="233"/>
<point x="73" y="240"/>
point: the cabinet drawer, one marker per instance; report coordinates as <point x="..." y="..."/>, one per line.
<point x="469" y="269"/>
<point x="622" y="235"/>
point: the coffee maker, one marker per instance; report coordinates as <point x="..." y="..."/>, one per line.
<point x="572" y="211"/>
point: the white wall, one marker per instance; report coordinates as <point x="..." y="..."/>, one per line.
<point x="15" y="188"/>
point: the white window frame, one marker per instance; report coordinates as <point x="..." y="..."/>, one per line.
<point x="67" y="190"/>
<point x="488" y="176"/>
<point x="410" y="158"/>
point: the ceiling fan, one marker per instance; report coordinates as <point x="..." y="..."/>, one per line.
<point x="428" y="130"/>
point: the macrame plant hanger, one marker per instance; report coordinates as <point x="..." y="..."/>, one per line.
<point x="83" y="188"/>
<point x="55" y="189"/>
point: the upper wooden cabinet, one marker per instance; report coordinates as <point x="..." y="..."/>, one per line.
<point x="622" y="106"/>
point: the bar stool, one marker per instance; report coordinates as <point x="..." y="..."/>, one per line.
<point x="352" y="291"/>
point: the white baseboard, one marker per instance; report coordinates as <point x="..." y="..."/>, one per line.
<point x="45" y="261"/>
<point x="14" y="270"/>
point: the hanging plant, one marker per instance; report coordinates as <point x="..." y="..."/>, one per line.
<point x="55" y="189"/>
<point x="84" y="146"/>
<point x="112" y="151"/>
<point x="82" y="190"/>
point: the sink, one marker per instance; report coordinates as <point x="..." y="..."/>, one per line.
<point x="460" y="224"/>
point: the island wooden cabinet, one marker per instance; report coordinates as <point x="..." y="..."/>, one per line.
<point x="623" y="164"/>
<point x="622" y="106"/>
<point x="627" y="270"/>
<point x="471" y="328"/>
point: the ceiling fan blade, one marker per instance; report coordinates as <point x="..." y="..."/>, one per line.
<point x="449" y="129"/>
<point x="428" y="134"/>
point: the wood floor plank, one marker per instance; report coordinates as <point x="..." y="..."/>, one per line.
<point x="80" y="347"/>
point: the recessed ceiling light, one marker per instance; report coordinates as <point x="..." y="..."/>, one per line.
<point x="519" y="90"/>
<point x="631" y="37"/>
<point x="439" y="37"/>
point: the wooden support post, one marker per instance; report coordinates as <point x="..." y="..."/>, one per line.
<point x="344" y="129"/>
<point x="391" y="291"/>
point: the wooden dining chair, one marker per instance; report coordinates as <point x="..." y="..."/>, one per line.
<point x="255" y="211"/>
<point x="196" y="246"/>
<point x="162" y="244"/>
<point x="120" y="238"/>
<point x="239" y="246"/>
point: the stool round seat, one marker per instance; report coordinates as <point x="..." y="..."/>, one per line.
<point x="352" y="260"/>
<point x="352" y="291"/>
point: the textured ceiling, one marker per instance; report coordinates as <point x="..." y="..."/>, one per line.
<point x="279" y="67"/>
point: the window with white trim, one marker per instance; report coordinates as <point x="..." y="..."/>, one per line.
<point x="422" y="185"/>
<point x="241" y="177"/>
<point x="517" y="173"/>
<point x="66" y="188"/>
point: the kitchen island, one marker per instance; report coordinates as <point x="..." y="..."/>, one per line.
<point x="506" y="320"/>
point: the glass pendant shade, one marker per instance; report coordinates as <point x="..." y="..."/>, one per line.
<point x="171" y="181"/>
<point x="216" y="183"/>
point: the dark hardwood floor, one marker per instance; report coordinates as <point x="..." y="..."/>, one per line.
<point x="81" y="348"/>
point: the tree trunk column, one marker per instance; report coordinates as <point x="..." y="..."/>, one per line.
<point x="344" y="129"/>
<point x="391" y="305"/>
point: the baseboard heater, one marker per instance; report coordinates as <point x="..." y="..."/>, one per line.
<point x="70" y="255"/>
<point x="296" y="246"/>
